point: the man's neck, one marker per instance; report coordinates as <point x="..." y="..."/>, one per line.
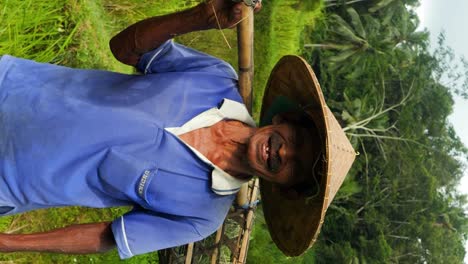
<point x="224" y="144"/>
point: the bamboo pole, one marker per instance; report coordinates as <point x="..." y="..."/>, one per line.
<point x="246" y="69"/>
<point x="248" y="224"/>
<point x="188" y="257"/>
<point x="215" y="254"/>
<point x="245" y="38"/>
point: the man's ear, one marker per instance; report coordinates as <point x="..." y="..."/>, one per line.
<point x="286" y="192"/>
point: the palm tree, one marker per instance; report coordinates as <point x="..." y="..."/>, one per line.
<point x="357" y="43"/>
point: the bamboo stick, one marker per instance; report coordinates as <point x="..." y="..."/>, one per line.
<point x="245" y="39"/>
<point x="188" y="257"/>
<point x="215" y="254"/>
<point x="248" y="224"/>
<point x="246" y="69"/>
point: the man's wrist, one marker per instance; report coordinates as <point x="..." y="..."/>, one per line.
<point x="3" y="243"/>
<point x="6" y="243"/>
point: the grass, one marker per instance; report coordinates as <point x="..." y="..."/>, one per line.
<point x="90" y="48"/>
<point x="42" y="36"/>
<point x="76" y="33"/>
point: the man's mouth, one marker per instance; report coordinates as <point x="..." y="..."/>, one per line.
<point x="266" y="150"/>
<point x="270" y="153"/>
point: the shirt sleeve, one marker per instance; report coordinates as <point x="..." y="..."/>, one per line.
<point x="141" y="231"/>
<point x="173" y="57"/>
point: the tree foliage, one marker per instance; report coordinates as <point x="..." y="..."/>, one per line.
<point x="399" y="203"/>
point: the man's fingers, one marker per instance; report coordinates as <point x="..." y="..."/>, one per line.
<point x="236" y="14"/>
<point x="229" y="16"/>
<point x="258" y="6"/>
<point x="237" y="9"/>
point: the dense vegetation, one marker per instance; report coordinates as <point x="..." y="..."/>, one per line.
<point x="399" y="203"/>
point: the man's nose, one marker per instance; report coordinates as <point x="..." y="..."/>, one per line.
<point x="286" y="152"/>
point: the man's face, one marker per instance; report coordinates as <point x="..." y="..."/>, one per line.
<point x="275" y="152"/>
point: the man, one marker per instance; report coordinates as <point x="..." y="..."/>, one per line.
<point x="175" y="142"/>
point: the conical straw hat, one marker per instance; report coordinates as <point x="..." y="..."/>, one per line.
<point x="295" y="224"/>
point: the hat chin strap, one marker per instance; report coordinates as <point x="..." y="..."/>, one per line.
<point x="316" y="184"/>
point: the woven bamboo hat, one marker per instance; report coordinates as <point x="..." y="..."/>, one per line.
<point x="294" y="224"/>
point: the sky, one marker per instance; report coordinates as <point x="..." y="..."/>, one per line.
<point x="452" y="17"/>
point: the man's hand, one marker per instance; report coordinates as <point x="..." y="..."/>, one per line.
<point x="225" y="13"/>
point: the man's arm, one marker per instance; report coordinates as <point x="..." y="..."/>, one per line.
<point x="75" y="239"/>
<point x="143" y="36"/>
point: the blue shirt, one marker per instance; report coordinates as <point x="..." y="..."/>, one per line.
<point x="99" y="139"/>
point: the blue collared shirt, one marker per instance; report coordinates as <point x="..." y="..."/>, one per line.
<point x="99" y="139"/>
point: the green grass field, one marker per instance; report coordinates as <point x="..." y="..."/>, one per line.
<point x="75" y="33"/>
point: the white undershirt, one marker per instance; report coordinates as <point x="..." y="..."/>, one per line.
<point x="222" y="182"/>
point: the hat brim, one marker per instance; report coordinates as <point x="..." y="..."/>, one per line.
<point x="294" y="224"/>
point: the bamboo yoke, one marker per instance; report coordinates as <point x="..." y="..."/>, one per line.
<point x="247" y="196"/>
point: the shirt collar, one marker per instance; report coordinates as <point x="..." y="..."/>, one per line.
<point x="222" y="182"/>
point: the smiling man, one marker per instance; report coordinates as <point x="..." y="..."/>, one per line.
<point x="175" y="141"/>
